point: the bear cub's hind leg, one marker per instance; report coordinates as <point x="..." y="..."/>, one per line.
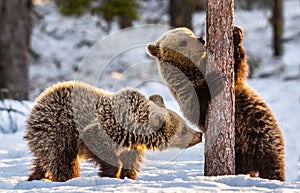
<point x="64" y="170"/>
<point x="131" y="163"/>
<point x="109" y="168"/>
<point x="37" y="172"/>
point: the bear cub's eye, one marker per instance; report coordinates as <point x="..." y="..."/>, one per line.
<point x="183" y="131"/>
<point x="183" y="43"/>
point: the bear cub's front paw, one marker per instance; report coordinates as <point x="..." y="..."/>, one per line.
<point x="237" y="36"/>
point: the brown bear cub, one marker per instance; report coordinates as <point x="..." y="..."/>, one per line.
<point x="182" y="64"/>
<point x="73" y="120"/>
<point x="259" y="144"/>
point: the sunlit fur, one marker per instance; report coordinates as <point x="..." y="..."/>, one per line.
<point x="183" y="67"/>
<point x="72" y="120"/>
<point x="259" y="141"/>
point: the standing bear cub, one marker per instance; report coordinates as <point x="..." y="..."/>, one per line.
<point x="259" y="144"/>
<point x="73" y="120"/>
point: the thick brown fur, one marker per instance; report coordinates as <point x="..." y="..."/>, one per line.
<point x="71" y="121"/>
<point x="259" y="143"/>
<point x="259" y="146"/>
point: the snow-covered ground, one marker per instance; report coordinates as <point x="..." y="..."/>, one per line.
<point x="167" y="171"/>
<point x="77" y="48"/>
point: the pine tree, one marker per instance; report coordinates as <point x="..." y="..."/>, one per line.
<point x="15" y="30"/>
<point x="219" y="137"/>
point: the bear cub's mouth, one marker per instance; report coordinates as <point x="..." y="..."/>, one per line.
<point x="196" y="139"/>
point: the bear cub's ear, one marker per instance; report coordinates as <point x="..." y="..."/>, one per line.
<point x="153" y="50"/>
<point x="158" y="100"/>
<point x="156" y="119"/>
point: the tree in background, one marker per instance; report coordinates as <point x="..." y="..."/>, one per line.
<point x="15" y="30"/>
<point x="124" y="10"/>
<point x="276" y="20"/>
<point x="220" y="133"/>
<point x="277" y="23"/>
<point x="73" y="7"/>
<point x="181" y="13"/>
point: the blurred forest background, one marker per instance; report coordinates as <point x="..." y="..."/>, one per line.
<point x="19" y="20"/>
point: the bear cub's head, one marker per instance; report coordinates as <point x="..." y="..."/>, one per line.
<point x="175" y="130"/>
<point x="179" y="45"/>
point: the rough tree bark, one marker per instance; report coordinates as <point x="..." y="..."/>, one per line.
<point x="181" y="13"/>
<point x="277" y="22"/>
<point x="220" y="124"/>
<point x="15" y="29"/>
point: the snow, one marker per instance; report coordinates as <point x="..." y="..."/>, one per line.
<point x="80" y="48"/>
<point x="167" y="171"/>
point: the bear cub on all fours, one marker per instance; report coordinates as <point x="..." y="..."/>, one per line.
<point x="73" y="120"/>
<point x="259" y="144"/>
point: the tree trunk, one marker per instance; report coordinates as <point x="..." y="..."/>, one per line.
<point x="181" y="13"/>
<point x="220" y="123"/>
<point x="277" y="22"/>
<point x="125" y="22"/>
<point x="15" y="29"/>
